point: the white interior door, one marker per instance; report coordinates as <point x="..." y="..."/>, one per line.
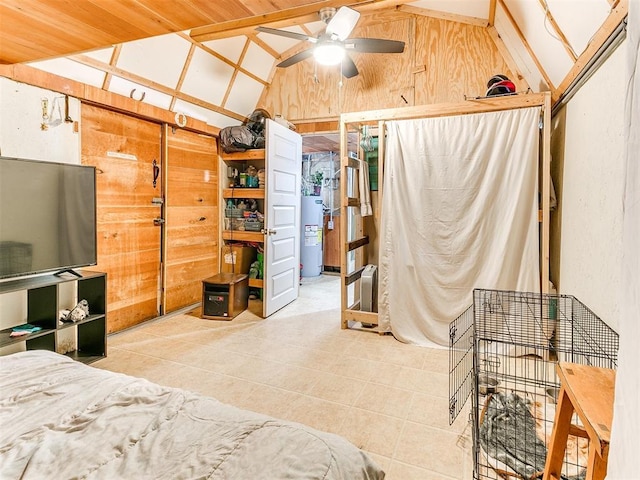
<point x="282" y="217"/>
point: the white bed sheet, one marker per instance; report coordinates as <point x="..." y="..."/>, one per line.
<point x="63" y="419"/>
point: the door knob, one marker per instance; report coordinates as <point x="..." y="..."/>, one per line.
<point x="268" y="231"/>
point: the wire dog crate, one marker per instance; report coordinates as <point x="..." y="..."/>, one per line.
<point x="502" y="352"/>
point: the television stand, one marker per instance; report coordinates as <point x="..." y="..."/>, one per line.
<point x="70" y="271"/>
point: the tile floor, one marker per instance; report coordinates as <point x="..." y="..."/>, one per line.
<point x="388" y="398"/>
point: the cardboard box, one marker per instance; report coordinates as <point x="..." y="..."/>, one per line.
<point x="237" y="258"/>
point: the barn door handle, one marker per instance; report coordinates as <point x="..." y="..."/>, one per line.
<point x="156" y="172"/>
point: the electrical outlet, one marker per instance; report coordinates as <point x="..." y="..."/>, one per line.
<point x="330" y="224"/>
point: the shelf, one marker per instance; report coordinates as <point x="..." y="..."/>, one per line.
<point x="256" y="282"/>
<point x="90" y="318"/>
<point x="243" y="193"/>
<point x="243" y="236"/>
<point x="5" y="339"/>
<point x="253" y="154"/>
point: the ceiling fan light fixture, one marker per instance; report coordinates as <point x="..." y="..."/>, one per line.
<point x="329" y="54"/>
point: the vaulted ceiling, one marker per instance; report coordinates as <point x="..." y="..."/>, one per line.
<point x="206" y="59"/>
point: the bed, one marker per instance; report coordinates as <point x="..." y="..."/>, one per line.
<point x="62" y="419"/>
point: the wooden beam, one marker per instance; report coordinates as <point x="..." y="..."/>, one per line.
<point x="352" y="277"/>
<point x="561" y="36"/>
<point x="524" y="41"/>
<point x="616" y="16"/>
<point x="236" y="66"/>
<point x="490" y="104"/>
<point x="113" y="61"/>
<point x="234" y="75"/>
<point x="452" y="17"/>
<point x="492" y="13"/>
<point x="183" y="74"/>
<point x="230" y="28"/>
<point x="91" y="62"/>
<point x="97" y="96"/>
<point x="360" y="242"/>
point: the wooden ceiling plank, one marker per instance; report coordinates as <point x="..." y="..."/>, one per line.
<point x="616" y="16"/>
<point x="527" y="47"/>
<point x="560" y="34"/>
<point x="203" y="34"/>
<point x="453" y="17"/>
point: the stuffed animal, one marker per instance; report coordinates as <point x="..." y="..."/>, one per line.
<point x="79" y="312"/>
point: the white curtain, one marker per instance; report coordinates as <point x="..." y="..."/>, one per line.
<point x="460" y="211"/>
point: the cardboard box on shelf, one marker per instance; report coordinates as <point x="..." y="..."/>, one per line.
<point x="237" y="258"/>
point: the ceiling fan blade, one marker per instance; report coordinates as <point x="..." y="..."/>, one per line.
<point x="285" y="33"/>
<point x="373" y="45"/>
<point x="349" y="68"/>
<point x="298" y="57"/>
<point x="343" y="23"/>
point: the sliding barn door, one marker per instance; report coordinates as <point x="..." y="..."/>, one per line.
<point x="191" y="244"/>
<point x="123" y="149"/>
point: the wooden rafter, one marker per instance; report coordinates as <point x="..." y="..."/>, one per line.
<point x="560" y="35"/>
<point x="235" y="73"/>
<point x="183" y="74"/>
<point x="84" y="60"/>
<point x="616" y="16"/>
<point x="114" y="59"/>
<point x="524" y="41"/>
<point x="235" y="66"/>
<point x="492" y="12"/>
<point x="453" y="17"/>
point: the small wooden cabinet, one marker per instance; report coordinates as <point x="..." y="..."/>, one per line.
<point x="45" y="296"/>
<point x="224" y="296"/>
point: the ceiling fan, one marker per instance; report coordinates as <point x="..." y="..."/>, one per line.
<point x="331" y="46"/>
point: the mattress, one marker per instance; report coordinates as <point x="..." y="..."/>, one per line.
<point x="62" y="419"/>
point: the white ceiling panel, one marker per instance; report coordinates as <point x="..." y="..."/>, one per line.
<point x="207" y="77"/>
<point x="200" y="113"/>
<point x="468" y="8"/>
<point x="160" y="59"/>
<point x="244" y="95"/>
<point x="593" y="13"/>
<point x="520" y="55"/>
<point x="67" y="68"/>
<point x="103" y="55"/>
<point x="258" y="61"/>
<point x="230" y="48"/>
<point x="531" y="19"/>
<point x="152" y="97"/>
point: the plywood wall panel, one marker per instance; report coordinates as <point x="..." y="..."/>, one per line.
<point x="443" y="61"/>
<point x="122" y="149"/>
<point x="192" y="211"/>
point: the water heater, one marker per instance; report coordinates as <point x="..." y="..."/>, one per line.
<point x="311" y="236"/>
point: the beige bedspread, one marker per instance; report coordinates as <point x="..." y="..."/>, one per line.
<point x="62" y="419"/>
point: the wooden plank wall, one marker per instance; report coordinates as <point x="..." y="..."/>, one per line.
<point x="122" y="148"/>
<point x="443" y="61"/>
<point x="191" y="245"/>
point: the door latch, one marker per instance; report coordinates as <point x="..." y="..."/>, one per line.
<point x="268" y="231"/>
<point x="158" y="221"/>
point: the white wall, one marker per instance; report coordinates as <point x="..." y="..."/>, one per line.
<point x="592" y="190"/>
<point x="21" y="119"/>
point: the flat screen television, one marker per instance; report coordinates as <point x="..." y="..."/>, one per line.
<point x="47" y="217"/>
